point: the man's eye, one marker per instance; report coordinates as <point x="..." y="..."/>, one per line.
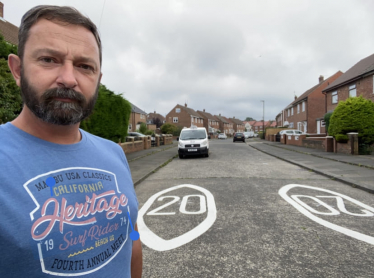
<point x="86" y="67"/>
<point x="47" y="60"/>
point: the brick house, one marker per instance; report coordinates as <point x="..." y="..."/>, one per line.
<point x="224" y="125"/>
<point x="155" y="119"/>
<point x="137" y="116"/>
<point x="249" y="125"/>
<point x="357" y="81"/>
<point x="279" y="119"/>
<point x="211" y="123"/>
<point x="258" y="126"/>
<point x="184" y="116"/>
<point x="238" y="125"/>
<point x="306" y="112"/>
<point x="7" y="29"/>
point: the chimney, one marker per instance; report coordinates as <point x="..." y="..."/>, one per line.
<point x="185" y="104"/>
<point x="220" y="114"/>
<point x="295" y="97"/>
<point x="234" y="117"/>
<point x="1" y="10"/>
<point x="320" y="78"/>
<point x="155" y="112"/>
<point x="203" y="110"/>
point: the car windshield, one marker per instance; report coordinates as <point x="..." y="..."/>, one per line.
<point x="239" y="134"/>
<point x="192" y="134"/>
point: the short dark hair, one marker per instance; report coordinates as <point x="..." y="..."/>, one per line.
<point x="62" y="14"/>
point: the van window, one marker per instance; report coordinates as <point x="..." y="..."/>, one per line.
<point x="192" y="134"/>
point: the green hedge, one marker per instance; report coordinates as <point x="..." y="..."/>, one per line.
<point x="355" y="114"/>
<point x="110" y="118"/>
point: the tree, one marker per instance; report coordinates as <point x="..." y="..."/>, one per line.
<point x="110" y="118"/>
<point x="248" y="119"/>
<point x="143" y="128"/>
<point x="156" y="121"/>
<point x="10" y="94"/>
<point x="356" y="114"/>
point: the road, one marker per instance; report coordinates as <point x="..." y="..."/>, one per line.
<point x="243" y="213"/>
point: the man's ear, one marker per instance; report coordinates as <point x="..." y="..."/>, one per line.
<point x="14" y="64"/>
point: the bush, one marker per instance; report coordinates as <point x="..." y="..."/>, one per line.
<point x="143" y="128"/>
<point x="326" y="118"/>
<point x="168" y="128"/>
<point x="356" y="114"/>
<point x="148" y="132"/>
<point x="341" y="138"/>
<point x="177" y="131"/>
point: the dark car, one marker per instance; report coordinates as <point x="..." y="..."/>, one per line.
<point x="238" y="136"/>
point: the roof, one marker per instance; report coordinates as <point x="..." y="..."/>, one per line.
<point x="311" y="90"/>
<point x="222" y="119"/>
<point x="236" y="121"/>
<point x="190" y="111"/>
<point x="207" y="115"/>
<point x="9" y="31"/>
<point x="273" y="124"/>
<point x="249" y="122"/>
<point x="136" y="109"/>
<point x="227" y="120"/>
<point x="155" y="115"/>
<point x="259" y="123"/>
<point x="360" y="69"/>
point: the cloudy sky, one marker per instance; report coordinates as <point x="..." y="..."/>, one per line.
<point x="224" y="56"/>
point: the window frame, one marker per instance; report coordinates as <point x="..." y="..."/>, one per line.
<point x="175" y="119"/>
<point x="334" y="95"/>
<point x="352" y="88"/>
<point x="303" y="106"/>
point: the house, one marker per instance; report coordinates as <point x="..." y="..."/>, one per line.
<point x="248" y="125"/>
<point x="184" y="116"/>
<point x="306" y="112"/>
<point x="258" y="126"/>
<point x="137" y="117"/>
<point x="155" y="119"/>
<point x="7" y="29"/>
<point x="357" y="81"/>
<point x="224" y="125"/>
<point x="273" y="124"/>
<point x="238" y="125"/>
<point x="211" y="123"/>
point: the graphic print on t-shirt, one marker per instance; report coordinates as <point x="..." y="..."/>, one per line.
<point x="80" y="221"/>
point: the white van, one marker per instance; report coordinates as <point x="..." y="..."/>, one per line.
<point x="193" y="141"/>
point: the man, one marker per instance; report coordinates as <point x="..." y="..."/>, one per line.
<point x="67" y="202"/>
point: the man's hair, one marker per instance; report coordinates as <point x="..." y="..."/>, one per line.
<point x="58" y="14"/>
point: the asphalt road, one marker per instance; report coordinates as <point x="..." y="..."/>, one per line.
<point x="243" y="213"/>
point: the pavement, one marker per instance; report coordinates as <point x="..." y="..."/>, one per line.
<point x="354" y="170"/>
<point x="144" y="163"/>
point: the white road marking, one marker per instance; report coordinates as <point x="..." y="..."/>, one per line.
<point x="304" y="209"/>
<point x="155" y="242"/>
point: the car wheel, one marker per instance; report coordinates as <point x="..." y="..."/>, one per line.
<point x="181" y="156"/>
<point x="207" y="155"/>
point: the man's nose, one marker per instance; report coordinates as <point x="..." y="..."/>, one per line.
<point x="67" y="76"/>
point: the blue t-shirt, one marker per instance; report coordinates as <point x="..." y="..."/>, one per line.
<point x="64" y="208"/>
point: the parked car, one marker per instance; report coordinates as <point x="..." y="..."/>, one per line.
<point x="135" y="134"/>
<point x="239" y="136"/>
<point x="248" y="134"/>
<point x="222" y="136"/>
<point x="193" y="141"/>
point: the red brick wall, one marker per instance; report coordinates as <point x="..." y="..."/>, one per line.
<point x="364" y="88"/>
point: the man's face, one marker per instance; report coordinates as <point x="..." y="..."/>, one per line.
<point x="60" y="72"/>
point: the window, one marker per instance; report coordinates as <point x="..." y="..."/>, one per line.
<point x="303" y="105"/>
<point x="322" y="123"/>
<point x="292" y="111"/>
<point x="175" y="119"/>
<point x="288" y="112"/>
<point x="334" y="97"/>
<point x="290" y="125"/>
<point x="352" y="90"/>
<point x="130" y="126"/>
<point x="177" y="110"/>
<point x="298" y="108"/>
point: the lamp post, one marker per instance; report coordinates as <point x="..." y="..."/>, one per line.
<point x="263" y="118"/>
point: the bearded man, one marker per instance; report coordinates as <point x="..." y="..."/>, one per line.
<point x="67" y="199"/>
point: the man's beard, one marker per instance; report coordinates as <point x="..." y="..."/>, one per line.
<point x="55" y="111"/>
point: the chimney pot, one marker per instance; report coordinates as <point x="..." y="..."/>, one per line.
<point x="220" y="114"/>
<point x="185" y="104"/>
<point x="1" y="10"/>
<point x="295" y="97"/>
<point x="203" y="110"/>
<point x="320" y="79"/>
<point x="155" y="112"/>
